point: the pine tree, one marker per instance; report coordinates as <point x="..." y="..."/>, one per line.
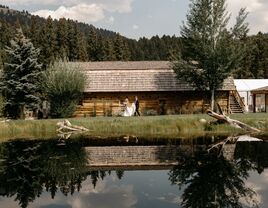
<point x="34" y="31"/>
<point x="92" y="44"/>
<point x="80" y="46"/>
<point x="20" y="78"/>
<point x="62" y="38"/>
<point x="108" y="51"/>
<point x="119" y="47"/>
<point x="126" y="52"/>
<point x="210" y="51"/>
<point x="71" y="41"/>
<point x="49" y="43"/>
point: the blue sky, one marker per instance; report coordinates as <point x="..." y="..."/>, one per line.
<point x="136" y="18"/>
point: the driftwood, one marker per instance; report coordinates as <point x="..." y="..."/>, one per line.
<point x="66" y="127"/>
<point x="4" y="121"/>
<point x="237" y="124"/>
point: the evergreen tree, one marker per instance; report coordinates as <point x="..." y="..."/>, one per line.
<point x="34" y="31"/>
<point x="62" y="38"/>
<point x="108" y="51"/>
<point x="259" y="62"/>
<point x="49" y="43"/>
<point x="92" y="47"/>
<point x="210" y="51"/>
<point x="126" y="52"/>
<point x="71" y="41"/>
<point x="119" y="47"/>
<point x="20" y="77"/>
<point x="80" y="47"/>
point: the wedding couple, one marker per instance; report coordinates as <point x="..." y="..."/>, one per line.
<point x="131" y="109"/>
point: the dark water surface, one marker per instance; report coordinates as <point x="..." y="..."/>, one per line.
<point x="131" y="172"/>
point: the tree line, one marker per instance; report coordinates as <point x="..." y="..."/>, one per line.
<point x="65" y="38"/>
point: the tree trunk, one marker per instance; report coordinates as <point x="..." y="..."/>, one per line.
<point x="212" y="99"/>
<point x="232" y="122"/>
<point x="22" y="113"/>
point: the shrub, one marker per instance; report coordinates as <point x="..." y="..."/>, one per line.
<point x="64" y="84"/>
<point x="150" y="112"/>
<point x="2" y="105"/>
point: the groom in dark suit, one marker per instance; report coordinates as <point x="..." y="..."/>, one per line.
<point x="137" y="104"/>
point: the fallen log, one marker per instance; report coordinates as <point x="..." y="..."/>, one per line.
<point x="66" y="126"/>
<point x="235" y="123"/>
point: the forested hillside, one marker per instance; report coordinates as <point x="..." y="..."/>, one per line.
<point x="76" y="41"/>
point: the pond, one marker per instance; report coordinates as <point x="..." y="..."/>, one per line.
<point x="133" y="172"/>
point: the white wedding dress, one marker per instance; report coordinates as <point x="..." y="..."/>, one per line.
<point x="130" y="110"/>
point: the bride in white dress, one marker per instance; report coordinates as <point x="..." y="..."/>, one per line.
<point x="129" y="108"/>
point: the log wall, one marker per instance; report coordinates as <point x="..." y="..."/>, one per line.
<point x="151" y="103"/>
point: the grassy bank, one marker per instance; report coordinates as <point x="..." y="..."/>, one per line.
<point x="156" y="126"/>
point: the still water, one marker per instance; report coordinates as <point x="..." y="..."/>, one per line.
<point x="131" y="172"/>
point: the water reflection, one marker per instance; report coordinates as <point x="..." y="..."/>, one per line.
<point x="206" y="179"/>
<point x="210" y="180"/>
<point x="26" y="167"/>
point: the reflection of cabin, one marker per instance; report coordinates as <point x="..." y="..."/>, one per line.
<point x="260" y="99"/>
<point x="155" y="84"/>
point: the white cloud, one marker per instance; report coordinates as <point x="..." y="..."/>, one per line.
<point x="258" y="16"/>
<point x="110" y="20"/>
<point x="135" y="27"/>
<point x="121" y="6"/>
<point x="108" y="5"/>
<point x="80" y="12"/>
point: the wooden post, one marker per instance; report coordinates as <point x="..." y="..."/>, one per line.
<point x="254" y="103"/>
<point x="228" y="103"/>
<point x="266" y="102"/>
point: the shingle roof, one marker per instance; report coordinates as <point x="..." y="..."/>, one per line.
<point x="135" y="76"/>
<point x="260" y="90"/>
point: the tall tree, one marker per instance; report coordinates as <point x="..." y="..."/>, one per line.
<point x="20" y="77"/>
<point x="108" y="51"/>
<point x="49" y="43"/>
<point x="210" y="50"/>
<point x="119" y="47"/>
<point x="80" y="47"/>
<point x="92" y="44"/>
<point x="62" y="38"/>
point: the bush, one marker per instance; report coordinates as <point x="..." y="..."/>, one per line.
<point x="150" y="112"/>
<point x="2" y="105"/>
<point x="64" y="84"/>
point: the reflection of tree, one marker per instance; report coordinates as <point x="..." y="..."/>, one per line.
<point x="212" y="181"/>
<point x="26" y="167"/>
<point x="22" y="173"/>
<point x="256" y="152"/>
<point x="64" y="166"/>
<point x="119" y="173"/>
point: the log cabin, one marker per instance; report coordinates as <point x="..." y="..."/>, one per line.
<point x="155" y="84"/>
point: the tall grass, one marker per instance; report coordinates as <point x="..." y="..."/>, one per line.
<point x="177" y="126"/>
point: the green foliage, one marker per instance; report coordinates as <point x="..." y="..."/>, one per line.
<point x="64" y="84"/>
<point x="210" y="50"/>
<point x="2" y="105"/>
<point x="20" y="77"/>
<point x="255" y="63"/>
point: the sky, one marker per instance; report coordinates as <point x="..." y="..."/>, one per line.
<point x="137" y="18"/>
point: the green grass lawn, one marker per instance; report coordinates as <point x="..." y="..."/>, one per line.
<point x="176" y="126"/>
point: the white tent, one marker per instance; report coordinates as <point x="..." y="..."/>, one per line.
<point x="244" y="86"/>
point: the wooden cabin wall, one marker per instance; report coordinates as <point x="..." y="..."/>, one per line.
<point x="151" y="103"/>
